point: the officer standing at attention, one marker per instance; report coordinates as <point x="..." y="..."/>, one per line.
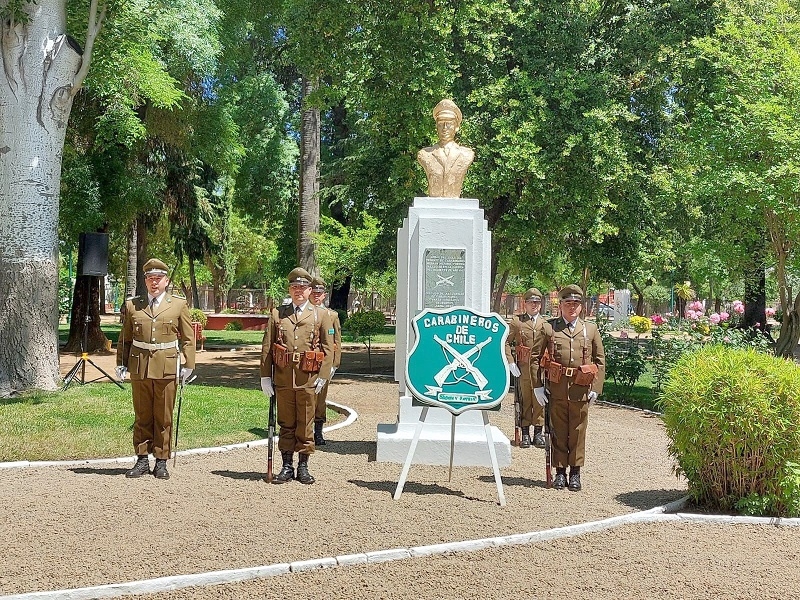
<point x="318" y="294"/>
<point x="156" y="330"/>
<point x="527" y="338"/>
<point x="575" y="370"/>
<point x="296" y="360"/>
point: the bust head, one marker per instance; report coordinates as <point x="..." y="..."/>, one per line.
<point x="448" y="120"/>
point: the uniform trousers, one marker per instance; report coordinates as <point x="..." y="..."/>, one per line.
<point x="296" y="417"/>
<point x="153" y="402"/>
<point x="532" y="412"/>
<point x="321" y="414"/>
<point x="568" y="419"/>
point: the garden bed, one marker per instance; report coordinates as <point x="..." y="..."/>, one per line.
<point x="248" y="322"/>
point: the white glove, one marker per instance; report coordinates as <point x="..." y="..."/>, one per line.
<point x="514" y="369"/>
<point x="541" y="396"/>
<point x="319" y="384"/>
<point x="333" y="372"/>
<point x="185" y="373"/>
<point x="266" y="386"/>
<point x="592" y="395"/>
<point x="121" y="372"/>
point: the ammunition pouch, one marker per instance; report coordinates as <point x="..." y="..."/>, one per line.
<point x="523" y="355"/>
<point x="311" y="361"/>
<point x="545" y="359"/>
<point x="585" y="374"/>
<point x="280" y="356"/>
<point x="554" y="372"/>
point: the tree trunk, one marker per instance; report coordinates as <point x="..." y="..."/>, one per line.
<point x="84" y="305"/>
<point x="141" y="256"/>
<point x="340" y="294"/>
<point x="39" y="66"/>
<point x="308" y="223"/>
<point x="755" y="295"/>
<point x="133" y="261"/>
<point x="639" y="299"/>
<point x="193" y="282"/>
<point x="786" y="345"/>
<point x="498" y="293"/>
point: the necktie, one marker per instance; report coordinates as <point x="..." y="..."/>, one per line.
<point x="153" y="304"/>
<point x="297" y="311"/>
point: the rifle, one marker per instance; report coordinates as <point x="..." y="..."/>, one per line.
<point x="178" y="417"/>
<point x="548" y="450"/>
<point x="270" y="436"/>
<point x="517" y="412"/>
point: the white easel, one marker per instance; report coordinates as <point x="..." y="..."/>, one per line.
<point x="413" y="447"/>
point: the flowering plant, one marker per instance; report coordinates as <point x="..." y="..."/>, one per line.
<point x="770" y="311"/>
<point x="641" y="324"/>
<point x="657" y="320"/>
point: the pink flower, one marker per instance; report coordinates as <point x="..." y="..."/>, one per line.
<point x="770" y="311"/>
<point x="693" y="315"/>
<point x="696" y="306"/>
<point x="714" y="318"/>
<point x="657" y="319"/>
<point x="738" y="308"/>
<point x="723" y="316"/>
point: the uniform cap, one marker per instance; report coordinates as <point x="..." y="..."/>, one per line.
<point x="300" y="276"/>
<point x="533" y="294"/>
<point x="155" y="266"/>
<point x="447" y="109"/>
<point x="318" y="284"/>
<point x="571" y="292"/>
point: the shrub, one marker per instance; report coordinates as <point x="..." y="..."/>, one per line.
<point x="366" y="323"/>
<point x="641" y="324"/>
<point x="732" y="417"/>
<point x="198" y="316"/>
<point x="233" y="326"/>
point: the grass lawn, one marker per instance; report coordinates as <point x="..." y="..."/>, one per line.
<point x="96" y="421"/>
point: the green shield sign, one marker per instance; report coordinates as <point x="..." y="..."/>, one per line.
<point x="458" y="361"/>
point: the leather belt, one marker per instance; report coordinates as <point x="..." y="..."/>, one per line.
<point x="162" y="346"/>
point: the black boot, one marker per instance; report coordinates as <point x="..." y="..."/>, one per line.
<point x="142" y="467"/>
<point x="160" y="472"/>
<point x="318" y="439"/>
<point x="538" y="436"/>
<point x="560" y="482"/>
<point x="287" y="472"/>
<point x="526" y="437"/>
<point x="303" y="476"/>
<point x="574" y="479"/>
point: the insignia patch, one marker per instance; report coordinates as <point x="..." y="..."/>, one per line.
<point x="458" y="360"/>
<point x="331" y="331"/>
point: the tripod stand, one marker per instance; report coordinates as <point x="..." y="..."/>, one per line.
<point x="81" y="364"/>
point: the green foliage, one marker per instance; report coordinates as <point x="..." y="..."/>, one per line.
<point x="198" y="316"/>
<point x="366" y="324"/>
<point x="233" y="326"/>
<point x="625" y="361"/>
<point x="732" y="417"/>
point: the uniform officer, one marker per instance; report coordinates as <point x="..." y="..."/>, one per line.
<point x="318" y="295"/>
<point x="297" y="355"/>
<point x="156" y="331"/>
<point x="526" y="336"/>
<point x="575" y="377"/>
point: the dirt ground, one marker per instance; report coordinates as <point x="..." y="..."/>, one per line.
<point x="69" y="527"/>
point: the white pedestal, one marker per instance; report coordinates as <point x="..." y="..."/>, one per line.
<point x="439" y="223"/>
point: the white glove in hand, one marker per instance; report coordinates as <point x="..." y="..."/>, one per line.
<point x="333" y="372"/>
<point x="592" y="395"/>
<point x="514" y="369"/>
<point x="266" y="386"/>
<point x="185" y="373"/>
<point x="319" y="384"/>
<point x="121" y="372"/>
<point x="540" y="395"/>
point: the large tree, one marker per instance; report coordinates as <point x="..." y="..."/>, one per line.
<point x="43" y="70"/>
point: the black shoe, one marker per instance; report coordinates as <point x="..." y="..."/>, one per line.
<point x="303" y="476"/>
<point x="574" y="480"/>
<point x="538" y="436"/>
<point x="142" y="467"/>
<point x="287" y="472"/>
<point x="526" y="438"/>
<point x="560" y="482"/>
<point x="160" y="472"/>
<point x="318" y="439"/>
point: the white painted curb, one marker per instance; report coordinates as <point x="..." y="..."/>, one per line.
<point x="352" y="417"/>
<point x="162" y="584"/>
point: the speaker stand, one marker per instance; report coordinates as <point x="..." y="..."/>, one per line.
<point x="81" y="364"/>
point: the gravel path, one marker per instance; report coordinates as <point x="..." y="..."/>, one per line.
<point x="69" y="527"/>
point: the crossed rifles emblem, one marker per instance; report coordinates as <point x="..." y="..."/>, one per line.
<point x="444" y="280"/>
<point x="459" y="361"/>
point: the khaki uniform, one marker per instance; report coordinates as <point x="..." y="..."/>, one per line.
<point x="154" y="370"/>
<point x="569" y="404"/>
<point x="294" y="388"/>
<point x="321" y="413"/>
<point x="525" y="330"/>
